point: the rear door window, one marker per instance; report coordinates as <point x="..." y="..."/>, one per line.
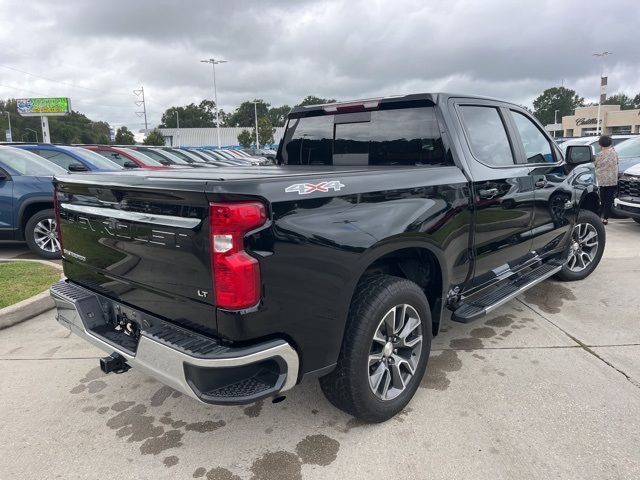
<point x="487" y="135"/>
<point x="407" y="136"/>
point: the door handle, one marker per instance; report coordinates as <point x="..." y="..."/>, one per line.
<point x="488" y="193"/>
<point x="541" y="183"/>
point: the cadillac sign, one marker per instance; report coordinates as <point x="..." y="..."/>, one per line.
<point x="43" y="107"/>
<point x="586" y="121"/>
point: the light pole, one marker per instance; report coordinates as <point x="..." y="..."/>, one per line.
<point x="178" y="126"/>
<point x="255" y="109"/>
<point x="213" y="63"/>
<point x="600" y="55"/>
<point x="555" y="121"/>
<point x="32" y="130"/>
<point x="10" y="132"/>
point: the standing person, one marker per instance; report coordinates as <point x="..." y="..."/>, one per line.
<point x="607" y="175"/>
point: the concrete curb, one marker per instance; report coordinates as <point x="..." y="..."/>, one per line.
<point x="26" y="309"/>
<point x="29" y="308"/>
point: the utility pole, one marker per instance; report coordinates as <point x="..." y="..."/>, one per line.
<point x="603" y="87"/>
<point x="255" y="109"/>
<point x="178" y="125"/>
<point x="144" y="106"/>
<point x="9" y="134"/>
<point x="213" y="63"/>
<point x="555" y="121"/>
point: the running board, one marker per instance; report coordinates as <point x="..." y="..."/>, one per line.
<point x="479" y="307"/>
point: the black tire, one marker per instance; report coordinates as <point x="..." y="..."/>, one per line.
<point x="592" y="221"/>
<point x="50" y="249"/>
<point x="637" y="220"/>
<point x="348" y="386"/>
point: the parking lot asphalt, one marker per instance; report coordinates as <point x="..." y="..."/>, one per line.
<point x="15" y="250"/>
<point x="548" y="386"/>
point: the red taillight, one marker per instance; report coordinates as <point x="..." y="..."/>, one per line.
<point x="352" y="107"/>
<point x="56" y="212"/>
<point x="236" y="274"/>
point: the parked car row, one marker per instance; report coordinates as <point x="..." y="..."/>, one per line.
<point x="26" y="170"/>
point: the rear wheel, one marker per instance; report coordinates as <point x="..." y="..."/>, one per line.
<point x="587" y="246"/>
<point x="41" y="235"/>
<point x="385" y="349"/>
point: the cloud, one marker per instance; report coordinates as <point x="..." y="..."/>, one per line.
<point x="283" y="50"/>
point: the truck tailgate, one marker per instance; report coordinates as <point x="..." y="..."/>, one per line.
<point x="142" y="246"/>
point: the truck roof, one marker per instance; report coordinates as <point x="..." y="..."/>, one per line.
<point x="382" y="102"/>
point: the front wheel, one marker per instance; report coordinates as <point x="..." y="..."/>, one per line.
<point x="385" y="349"/>
<point x="41" y="235"/>
<point x="587" y="246"/>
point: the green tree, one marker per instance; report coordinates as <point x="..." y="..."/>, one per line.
<point x="244" y="115"/>
<point x="124" y="136"/>
<point x="154" y="137"/>
<point x="245" y="138"/>
<point x="101" y="132"/>
<point x="265" y="131"/>
<point x="625" y="101"/>
<point x="192" y="116"/>
<point x="636" y="101"/>
<point x="313" y="100"/>
<point x="557" y="98"/>
<point x="278" y="115"/>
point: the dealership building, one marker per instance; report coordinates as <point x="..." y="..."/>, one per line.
<point x="613" y="121"/>
<point x="205" y="137"/>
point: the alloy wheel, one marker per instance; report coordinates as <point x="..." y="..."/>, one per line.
<point x="584" y="247"/>
<point x="395" y="351"/>
<point x="45" y="236"/>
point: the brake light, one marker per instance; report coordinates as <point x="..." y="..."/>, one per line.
<point x="56" y="212"/>
<point x="352" y="107"/>
<point x="236" y="274"/>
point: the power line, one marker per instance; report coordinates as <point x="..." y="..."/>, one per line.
<point x="23" y="90"/>
<point x="68" y="84"/>
<point x="48" y="79"/>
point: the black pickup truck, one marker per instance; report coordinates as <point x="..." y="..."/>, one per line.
<point x="382" y="219"/>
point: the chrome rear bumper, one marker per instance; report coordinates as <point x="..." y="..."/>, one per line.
<point x="172" y="364"/>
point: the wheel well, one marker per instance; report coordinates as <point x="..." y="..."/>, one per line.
<point x="29" y="211"/>
<point x="418" y="265"/>
<point x="591" y="202"/>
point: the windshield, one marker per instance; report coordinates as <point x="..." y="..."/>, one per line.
<point x="26" y="163"/>
<point x="184" y="155"/>
<point x="225" y="154"/>
<point x="120" y="159"/>
<point x="147" y="160"/>
<point x="629" y="148"/>
<point x="93" y="158"/>
<point x="160" y="156"/>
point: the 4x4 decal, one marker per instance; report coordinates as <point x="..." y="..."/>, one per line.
<point x="307" y="188"/>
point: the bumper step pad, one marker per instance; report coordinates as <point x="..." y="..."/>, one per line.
<point x="478" y="307"/>
<point x="190" y="343"/>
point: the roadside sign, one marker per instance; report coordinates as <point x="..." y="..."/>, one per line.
<point x="41" y="107"/>
<point x="7" y="135"/>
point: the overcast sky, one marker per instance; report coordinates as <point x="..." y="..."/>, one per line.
<point x="97" y="53"/>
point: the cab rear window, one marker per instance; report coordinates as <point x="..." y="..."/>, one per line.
<point x="407" y="136"/>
